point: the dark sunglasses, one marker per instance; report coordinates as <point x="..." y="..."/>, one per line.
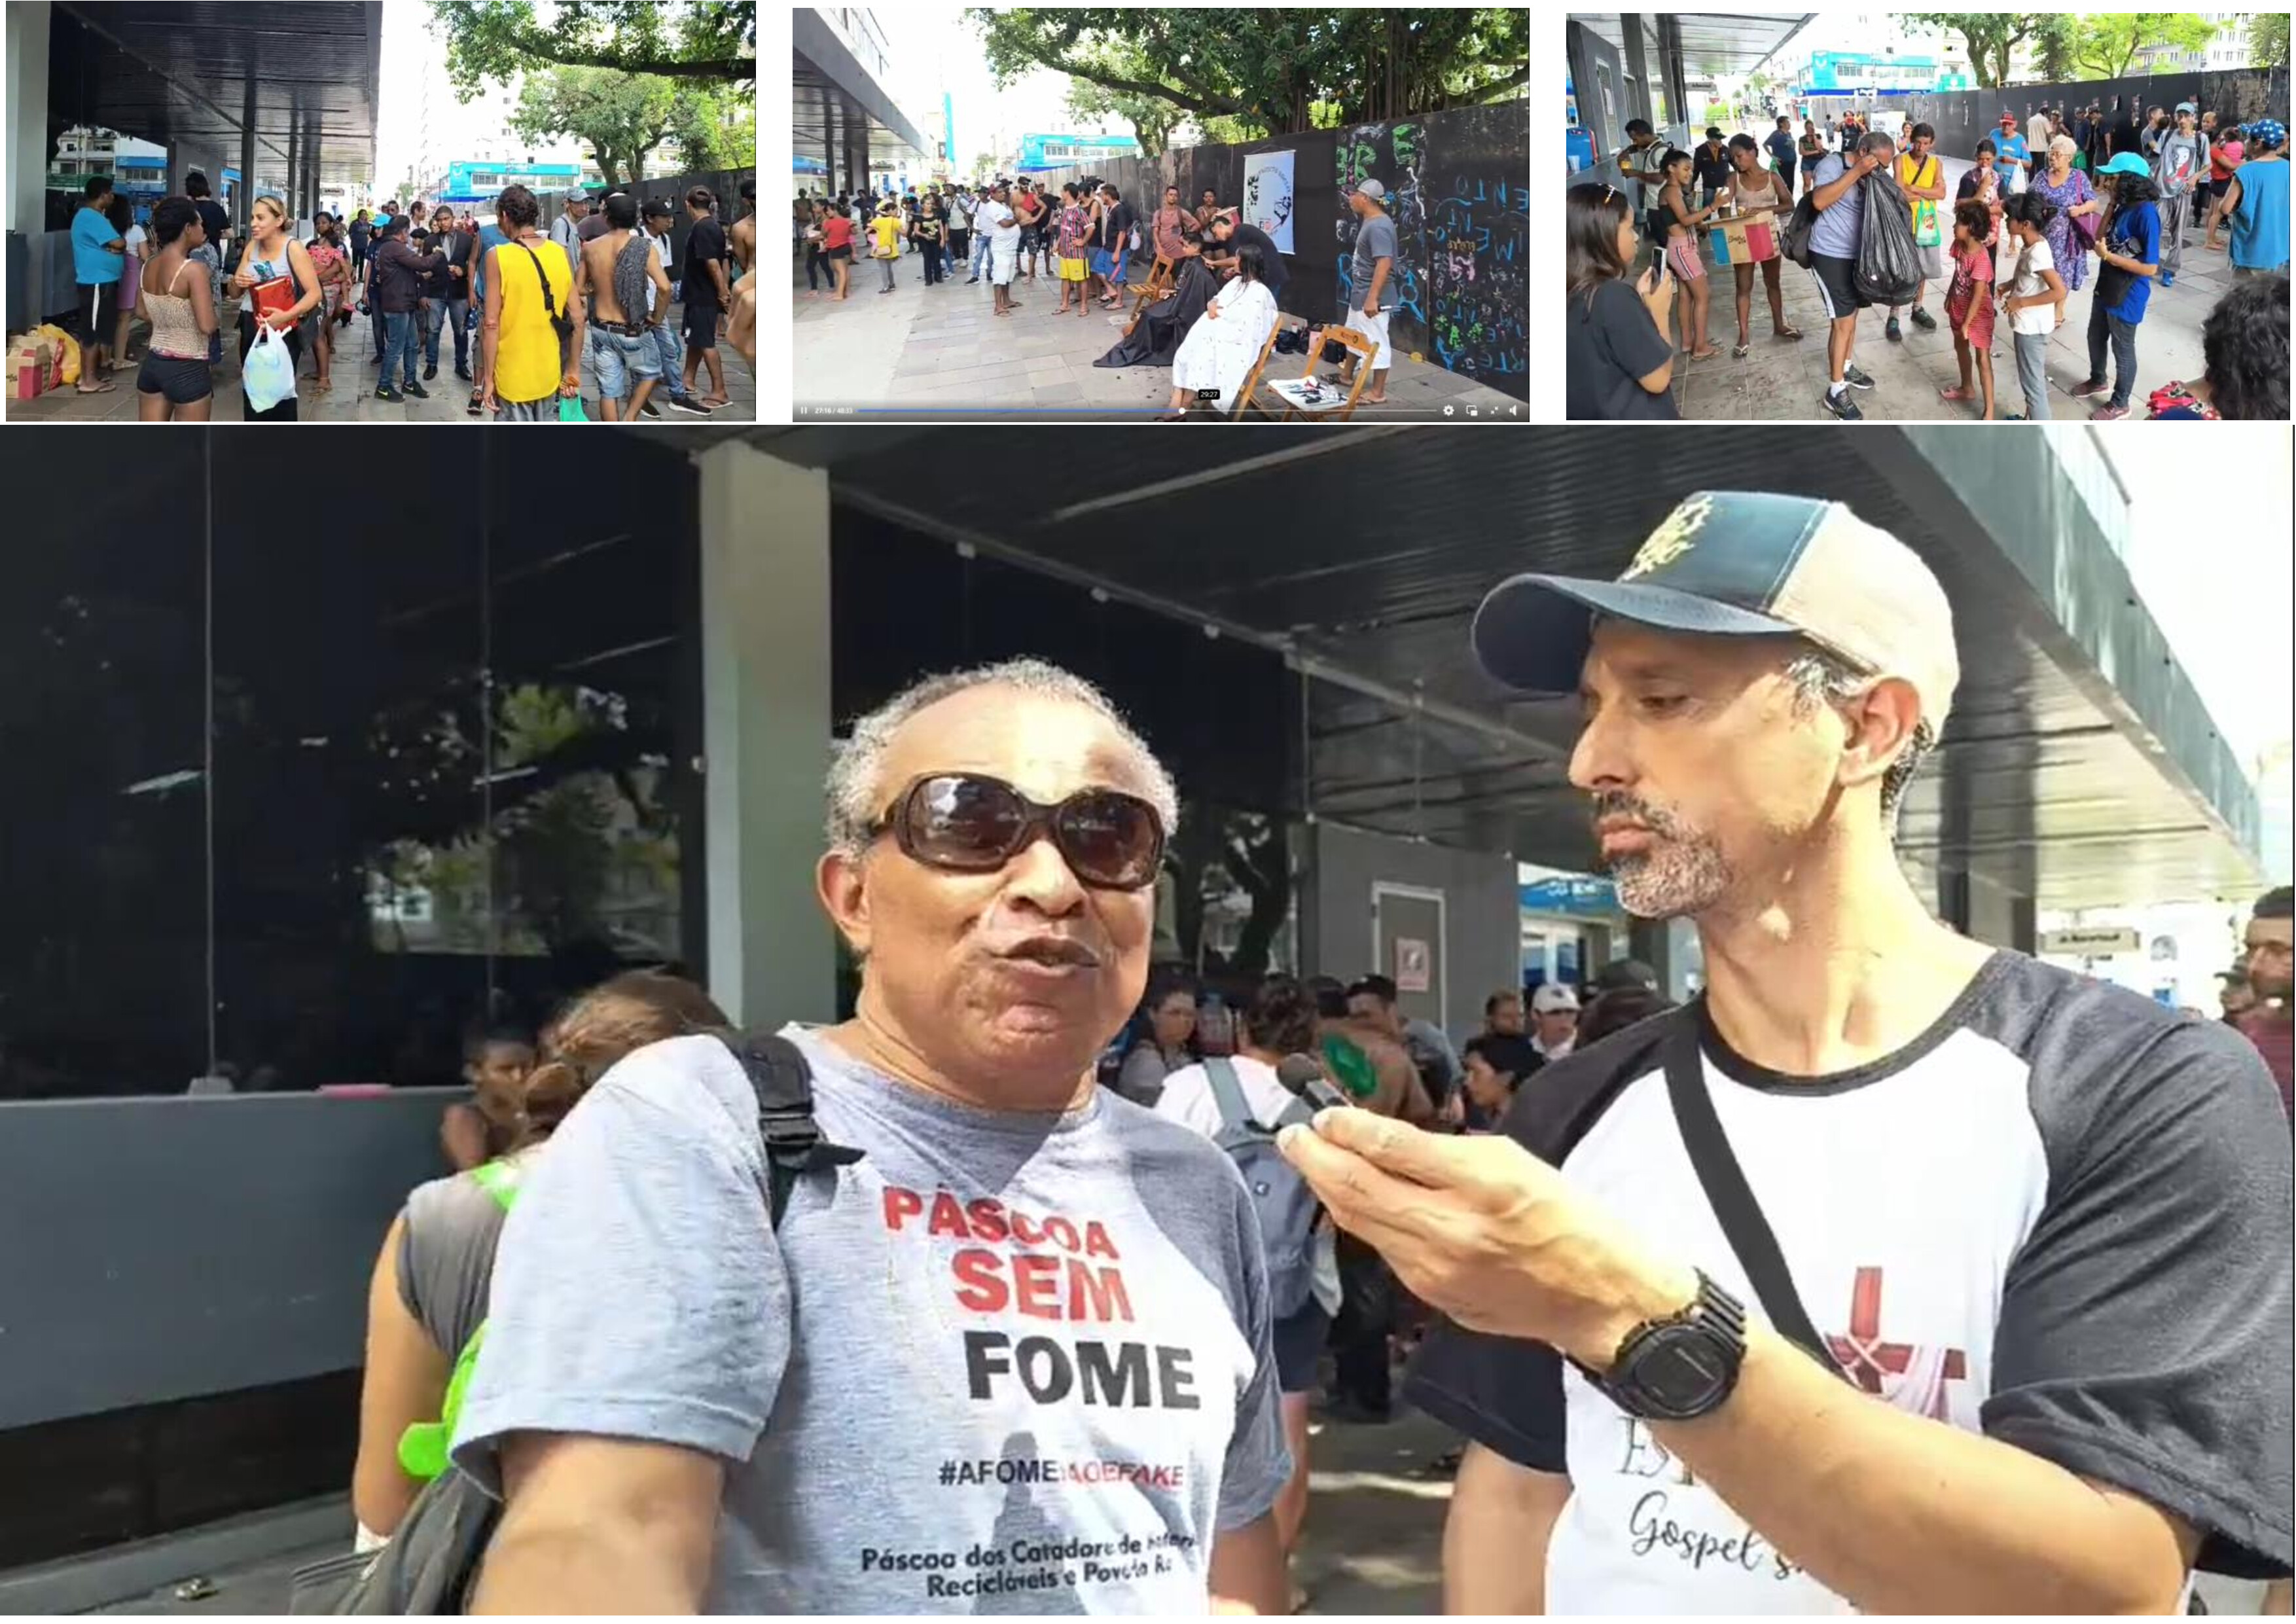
<point x="967" y="822"/>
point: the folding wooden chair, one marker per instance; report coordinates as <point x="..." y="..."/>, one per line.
<point x="1159" y="274"/>
<point x="1305" y="398"/>
<point x="1245" y="396"/>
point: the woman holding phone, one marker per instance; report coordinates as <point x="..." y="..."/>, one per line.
<point x="1618" y="362"/>
<point x="272" y="256"/>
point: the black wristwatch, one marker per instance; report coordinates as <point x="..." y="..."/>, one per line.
<point x="1682" y="1367"/>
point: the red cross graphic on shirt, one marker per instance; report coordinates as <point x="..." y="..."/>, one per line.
<point x="1866" y="1359"/>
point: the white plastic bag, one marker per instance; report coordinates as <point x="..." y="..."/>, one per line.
<point x="268" y="377"/>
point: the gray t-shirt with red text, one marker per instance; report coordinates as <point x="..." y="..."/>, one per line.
<point x="1006" y="1362"/>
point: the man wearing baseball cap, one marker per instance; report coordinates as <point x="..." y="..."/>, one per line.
<point x="2012" y="160"/>
<point x="1369" y="274"/>
<point x="1554" y="1010"/>
<point x="566" y="230"/>
<point x="1894" y="1273"/>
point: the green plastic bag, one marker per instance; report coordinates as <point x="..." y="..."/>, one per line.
<point x="569" y="409"/>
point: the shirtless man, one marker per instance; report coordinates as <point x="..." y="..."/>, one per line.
<point x="621" y="346"/>
<point x="744" y="237"/>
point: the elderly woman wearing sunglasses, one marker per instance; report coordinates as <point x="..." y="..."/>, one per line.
<point x="1026" y="1291"/>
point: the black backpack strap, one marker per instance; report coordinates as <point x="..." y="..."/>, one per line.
<point x="783" y="1082"/>
<point x="1727" y="1192"/>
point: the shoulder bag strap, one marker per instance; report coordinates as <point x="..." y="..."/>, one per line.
<point x="1732" y="1199"/>
<point x="784" y="1083"/>
<point x="1227" y="1093"/>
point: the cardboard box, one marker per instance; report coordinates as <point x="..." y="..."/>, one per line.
<point x="1747" y="242"/>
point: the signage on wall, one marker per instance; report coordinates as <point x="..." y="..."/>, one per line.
<point x="1411" y="961"/>
<point x="2090" y="941"/>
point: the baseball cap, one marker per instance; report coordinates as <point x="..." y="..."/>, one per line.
<point x="1552" y="997"/>
<point x="2127" y="163"/>
<point x="1625" y="974"/>
<point x="575" y="195"/>
<point x="1374" y="190"/>
<point x="2186" y="107"/>
<point x="1736" y="563"/>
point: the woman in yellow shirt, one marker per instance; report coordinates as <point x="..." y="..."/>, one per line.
<point x="885" y="240"/>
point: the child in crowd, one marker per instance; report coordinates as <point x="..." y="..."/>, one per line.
<point x="2033" y="298"/>
<point x="1681" y="224"/>
<point x="1969" y="303"/>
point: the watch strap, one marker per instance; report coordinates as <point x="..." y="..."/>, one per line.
<point x="1714" y="1315"/>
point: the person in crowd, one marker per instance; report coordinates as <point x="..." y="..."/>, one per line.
<point x="741" y="241"/>
<point x="2071" y="1413"/>
<point x="2156" y="130"/>
<point x="2226" y="152"/>
<point x="395" y="275"/>
<point x="99" y="258"/>
<point x="174" y="384"/>
<point x="1624" y="974"/>
<point x="1969" y="305"/>
<point x="486" y="238"/>
<point x="2012" y="159"/>
<point x="2123" y="135"/>
<point x="526" y="365"/>
<point x="362" y="229"/>
<point x="1208" y="210"/>
<point x="2268" y="1022"/>
<point x="1375" y="1001"/>
<point x="2244" y="353"/>
<point x="1780" y="143"/>
<point x="495" y="1062"/>
<point x="2033" y="297"/>
<point x="1810" y="147"/>
<point x="960" y="229"/>
<point x="2095" y="145"/>
<point x="2131" y="244"/>
<point x="1677" y="225"/>
<point x="886" y="230"/>
<point x="1229" y="235"/>
<point x="1001" y="229"/>
<point x="1035" y="210"/>
<point x="2076" y="211"/>
<point x="1554" y="1019"/>
<point x="566" y="230"/>
<point x="1369" y="306"/>
<point x="929" y="231"/>
<point x="1495" y="1066"/>
<point x="215" y="253"/>
<point x="136" y="248"/>
<point x="1170" y="225"/>
<point x="1614" y="1009"/>
<point x="273" y="254"/>
<point x="995" y="838"/>
<point x="1754" y="192"/>
<point x="428" y="1295"/>
<point x="1711" y="163"/>
<point x="1920" y="177"/>
<point x="809" y="239"/>
<point x="983" y="255"/>
<point x="709" y="295"/>
<point x="449" y="292"/>
<point x="1835" y="238"/>
<point x="2256" y="201"/>
<point x="669" y="346"/>
<point x="836" y="250"/>
<point x="1638" y="164"/>
<point x="1168" y="1045"/>
<point x="2038" y="130"/>
<point x="1278" y="1023"/>
<point x="624" y="291"/>
<point x="2179" y="169"/>
<point x="1618" y="356"/>
<point x="1219" y="352"/>
<point x="1503" y="1013"/>
<point x="1072" y="227"/>
<point x="1363" y="1057"/>
<point x="331" y="263"/>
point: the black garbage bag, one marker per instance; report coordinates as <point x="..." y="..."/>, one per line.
<point x="1155" y="338"/>
<point x="1889" y="265"/>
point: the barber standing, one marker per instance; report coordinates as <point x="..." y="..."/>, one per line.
<point x="1996" y="1315"/>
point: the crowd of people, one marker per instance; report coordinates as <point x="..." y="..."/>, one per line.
<point x="958" y="1300"/>
<point x="1207" y="310"/>
<point x="2110" y="207"/>
<point x="524" y="307"/>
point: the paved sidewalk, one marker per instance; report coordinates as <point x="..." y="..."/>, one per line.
<point x="352" y="399"/>
<point x="1784" y="379"/>
<point x="942" y="350"/>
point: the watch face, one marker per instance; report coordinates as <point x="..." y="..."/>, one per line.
<point x="1683" y="1371"/>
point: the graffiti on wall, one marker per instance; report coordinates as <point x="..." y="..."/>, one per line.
<point x="1392" y="155"/>
<point x="1478" y="289"/>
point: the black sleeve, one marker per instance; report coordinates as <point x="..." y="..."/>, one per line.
<point x="1632" y="337"/>
<point x="1504" y="1392"/>
<point x="2144" y="1336"/>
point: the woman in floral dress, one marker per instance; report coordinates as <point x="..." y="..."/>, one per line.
<point x="2068" y="191"/>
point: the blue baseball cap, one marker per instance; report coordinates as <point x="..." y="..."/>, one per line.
<point x="1739" y="563"/>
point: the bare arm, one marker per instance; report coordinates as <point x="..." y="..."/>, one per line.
<point x="601" y="1525"/>
<point x="1495" y="1538"/>
<point x="299" y="257"/>
<point x="717" y="276"/>
<point x="404" y="1382"/>
<point x="202" y="297"/>
<point x="1247" y="1575"/>
<point x="463" y="1136"/>
<point x="490" y="326"/>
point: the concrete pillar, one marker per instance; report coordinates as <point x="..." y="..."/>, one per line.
<point x="290" y="185"/>
<point x="244" y="199"/>
<point x="766" y="724"/>
<point x="28" y="157"/>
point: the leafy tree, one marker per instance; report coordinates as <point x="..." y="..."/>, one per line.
<point x="1270" y="66"/>
<point x="1153" y="117"/>
<point x="679" y="39"/>
<point x="1992" y="37"/>
<point x="622" y="115"/>
<point x="2107" y="43"/>
<point x="984" y="165"/>
<point x="2268" y="39"/>
<point x="2057" y="62"/>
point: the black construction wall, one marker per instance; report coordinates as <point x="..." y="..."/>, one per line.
<point x="1456" y="187"/>
<point x="1964" y="117"/>
<point x="726" y="183"/>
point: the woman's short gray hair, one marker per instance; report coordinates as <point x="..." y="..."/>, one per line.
<point x="855" y="788"/>
<point x="2065" y="144"/>
<point x="1820" y="678"/>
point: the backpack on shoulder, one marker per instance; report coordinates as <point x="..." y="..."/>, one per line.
<point x="1285" y="1202"/>
<point x="432" y="1563"/>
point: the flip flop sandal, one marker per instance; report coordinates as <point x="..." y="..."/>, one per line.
<point x="1737" y="352"/>
<point x="1787" y="331"/>
<point x="104" y="388"/>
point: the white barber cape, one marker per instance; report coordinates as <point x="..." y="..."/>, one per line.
<point x="1218" y="353"/>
